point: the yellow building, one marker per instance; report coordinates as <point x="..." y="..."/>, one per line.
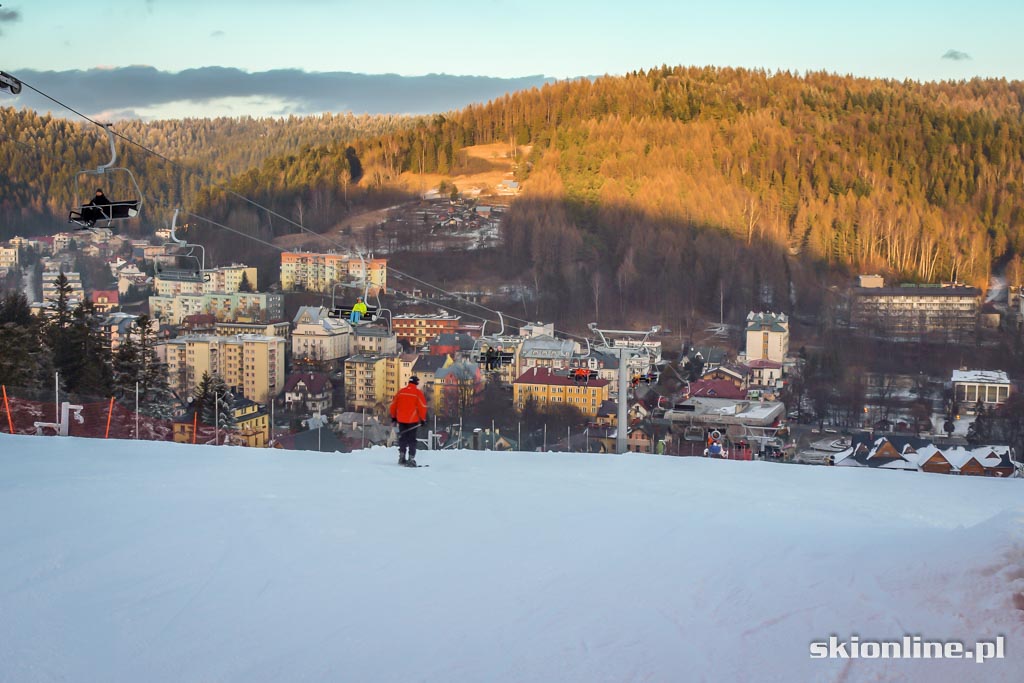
<point x="545" y="386"/>
<point x="398" y="370"/>
<point x="252" y="426"/>
<point x="252" y="365"/>
<point x="315" y="272"/>
<point x="366" y="383"/>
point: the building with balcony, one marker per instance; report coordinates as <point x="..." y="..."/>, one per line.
<point x="419" y="329"/>
<point x="546" y="387"/>
<point x="945" y="314"/>
<point x="251" y="365"/>
<point x="319" y="272"/>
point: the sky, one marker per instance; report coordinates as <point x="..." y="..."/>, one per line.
<point x="527" y="39"/>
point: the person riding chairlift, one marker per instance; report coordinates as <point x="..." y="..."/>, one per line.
<point x="358" y="311"/>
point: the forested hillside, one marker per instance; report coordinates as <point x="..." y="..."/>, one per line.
<point x="674" y="189"/>
<point x="722" y="183"/>
<point x="39" y="156"/>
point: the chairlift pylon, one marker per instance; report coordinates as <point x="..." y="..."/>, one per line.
<point x="88" y="214"/>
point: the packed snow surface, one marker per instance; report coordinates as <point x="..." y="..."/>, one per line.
<point x="136" y="561"/>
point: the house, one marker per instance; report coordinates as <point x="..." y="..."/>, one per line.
<point x="716" y="388"/>
<point x="989" y="387"/>
<point x="252" y="426"/>
<point x="308" y="392"/>
<point x="426" y="368"/>
<point x="764" y="372"/>
<point x="105" y="300"/>
<point x="915" y="454"/>
<point x="485" y="440"/>
<point x="456" y="387"/>
<point x="607" y="414"/>
<point x="736" y="374"/>
<point x="451" y="343"/>
<point x="545" y="351"/>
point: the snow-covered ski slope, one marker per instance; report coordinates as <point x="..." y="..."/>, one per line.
<point x="136" y="561"/>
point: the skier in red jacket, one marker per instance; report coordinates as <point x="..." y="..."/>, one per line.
<point x="409" y="411"/>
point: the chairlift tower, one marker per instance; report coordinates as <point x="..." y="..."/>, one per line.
<point x="623" y="353"/>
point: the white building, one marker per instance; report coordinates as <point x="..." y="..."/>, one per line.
<point x="767" y="336"/>
<point x="319" y="338"/>
<point x="990" y="387"/>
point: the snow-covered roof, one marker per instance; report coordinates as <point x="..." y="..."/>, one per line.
<point x="980" y="377"/>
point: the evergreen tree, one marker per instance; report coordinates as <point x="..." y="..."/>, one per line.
<point x="245" y="285"/>
<point x="214" y="402"/>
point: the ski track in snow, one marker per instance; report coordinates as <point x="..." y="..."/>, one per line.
<point x="127" y="562"/>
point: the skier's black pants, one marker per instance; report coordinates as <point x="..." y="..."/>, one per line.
<point x="407" y="438"/>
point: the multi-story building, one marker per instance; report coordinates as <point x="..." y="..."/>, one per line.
<point x="9" y="257"/>
<point x="50" y="285"/>
<point x="915" y="313"/>
<point x="426" y="368"/>
<point x="244" y="307"/>
<point x="365" y="383"/>
<point x="398" y="370"/>
<point x="222" y="280"/>
<point x="373" y="339"/>
<point x="767" y="336"/>
<point x="250" y="364"/>
<point x="116" y="327"/>
<point x="419" y="329"/>
<point x="544" y="351"/>
<point x="316" y="272"/>
<point x="280" y="329"/>
<point x="989" y="387"/>
<point x="546" y="387"/>
<point x="456" y="388"/>
<point x="318" y="338"/>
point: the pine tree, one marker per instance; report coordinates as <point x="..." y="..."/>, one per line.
<point x="245" y="285"/>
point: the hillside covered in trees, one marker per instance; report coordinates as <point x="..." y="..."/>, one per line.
<point x="41" y="154"/>
<point x="714" y="185"/>
<point x="728" y="183"/>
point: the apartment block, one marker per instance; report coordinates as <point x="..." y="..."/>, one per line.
<point x="372" y="339"/>
<point x="243" y="307"/>
<point x="252" y="365"/>
<point x="318" y="272"/>
<point x="366" y="383"/>
<point x="545" y="386"/>
<point x="419" y="330"/>
<point x="916" y="313"/>
<point x="225" y="279"/>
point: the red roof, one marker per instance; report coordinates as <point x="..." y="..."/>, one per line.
<point x="111" y="295"/>
<point x="764" y="363"/>
<point x="555" y="378"/>
<point x="199" y="319"/>
<point x="716" y="388"/>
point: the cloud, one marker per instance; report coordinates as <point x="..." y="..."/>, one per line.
<point x="9" y="16"/>
<point x="295" y="91"/>
<point x="956" y="55"/>
<point x="217" y="34"/>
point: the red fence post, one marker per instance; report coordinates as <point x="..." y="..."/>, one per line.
<point x="110" y="414"/>
<point x="195" y="426"/>
<point x="7" y="407"/>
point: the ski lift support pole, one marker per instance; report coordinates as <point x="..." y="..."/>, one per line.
<point x="624" y="353"/>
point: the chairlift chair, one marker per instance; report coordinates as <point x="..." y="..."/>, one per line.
<point x="492" y="343"/>
<point x="87" y="215"/>
<point x="179" y="257"/>
<point x="345" y="312"/>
